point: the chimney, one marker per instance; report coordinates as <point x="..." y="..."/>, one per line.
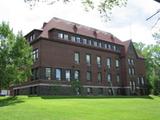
<point x="44" y="24"/>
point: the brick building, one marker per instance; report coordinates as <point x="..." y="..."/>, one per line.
<point x="65" y="52"/>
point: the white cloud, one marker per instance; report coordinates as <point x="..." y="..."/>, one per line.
<point x="126" y="23"/>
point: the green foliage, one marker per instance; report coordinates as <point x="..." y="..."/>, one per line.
<point x="152" y="62"/>
<point x="156" y="36"/>
<point x="76" y="87"/>
<point x="103" y="6"/>
<point x="15" y="57"/>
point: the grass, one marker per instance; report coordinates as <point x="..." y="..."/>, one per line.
<point x="79" y="108"/>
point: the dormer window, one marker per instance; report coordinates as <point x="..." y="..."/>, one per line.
<point x="95" y="43"/>
<point x="60" y="35"/>
<point x="100" y="44"/>
<point x="84" y="41"/>
<point x="105" y="45"/>
<point x="89" y="42"/>
<point x="109" y="46"/>
<point x="65" y="37"/>
<point x="73" y="38"/>
<point x="78" y="39"/>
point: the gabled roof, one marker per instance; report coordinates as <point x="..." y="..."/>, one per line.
<point x="127" y="44"/>
<point x="56" y="23"/>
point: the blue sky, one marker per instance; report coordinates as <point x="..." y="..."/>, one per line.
<point x="126" y="23"/>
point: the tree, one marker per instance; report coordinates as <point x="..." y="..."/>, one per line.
<point x="156" y="36"/>
<point x="15" y="57"/>
<point x="152" y="63"/>
<point x="76" y="87"/>
<point x="103" y="6"/>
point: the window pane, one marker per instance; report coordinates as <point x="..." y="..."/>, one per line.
<point x="114" y="47"/>
<point x="133" y="71"/>
<point x="95" y="43"/>
<point x="99" y="76"/>
<point x="132" y="61"/>
<point x="109" y="46"/>
<point x="117" y="63"/>
<point x="68" y="75"/>
<point x="84" y="41"/>
<point x="78" y="39"/>
<point x="65" y="36"/>
<point x="76" y="75"/>
<point x="73" y="39"/>
<point x="76" y="58"/>
<point x="100" y="44"/>
<point x="35" y="55"/>
<point x="88" y="59"/>
<point x="89" y="42"/>
<point x="48" y="73"/>
<point x="88" y="75"/>
<point x="109" y="77"/>
<point x="98" y="60"/>
<point x="58" y="74"/>
<point x="105" y="45"/>
<point x="60" y="35"/>
<point x="142" y="80"/>
<point x="109" y="62"/>
<point x="129" y="71"/>
<point x="118" y="78"/>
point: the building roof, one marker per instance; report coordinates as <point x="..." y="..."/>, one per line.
<point x="56" y="23"/>
<point x="127" y="44"/>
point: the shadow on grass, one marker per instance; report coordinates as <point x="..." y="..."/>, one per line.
<point x="95" y="97"/>
<point x="10" y="101"/>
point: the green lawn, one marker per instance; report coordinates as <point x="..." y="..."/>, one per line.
<point x="76" y="108"/>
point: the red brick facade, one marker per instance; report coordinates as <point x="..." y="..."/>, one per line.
<point x="55" y="68"/>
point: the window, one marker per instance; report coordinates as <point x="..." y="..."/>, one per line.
<point x="89" y="75"/>
<point x="60" y="35"/>
<point x="133" y="71"/>
<point x="84" y="41"/>
<point x="138" y="80"/>
<point x="118" y="78"/>
<point x="129" y="61"/>
<point x="88" y="59"/>
<point x="99" y="77"/>
<point x="132" y="61"/>
<point x="77" y="58"/>
<point x="65" y="36"/>
<point x="109" y="77"/>
<point x="76" y="75"/>
<point x="95" y="43"/>
<point x="142" y="80"/>
<point x="68" y="75"/>
<point x="105" y="45"/>
<point x="117" y="63"/>
<point x="34" y="74"/>
<point x="48" y="73"/>
<point x="100" y="44"/>
<point x="58" y="74"/>
<point x="73" y="39"/>
<point x="114" y="47"/>
<point x="35" y="55"/>
<point x="31" y="38"/>
<point x="129" y="71"/>
<point x="89" y="42"/>
<point x="89" y="91"/>
<point x="109" y="63"/>
<point x="99" y="61"/>
<point x="78" y="39"/>
<point x="109" y="46"/>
